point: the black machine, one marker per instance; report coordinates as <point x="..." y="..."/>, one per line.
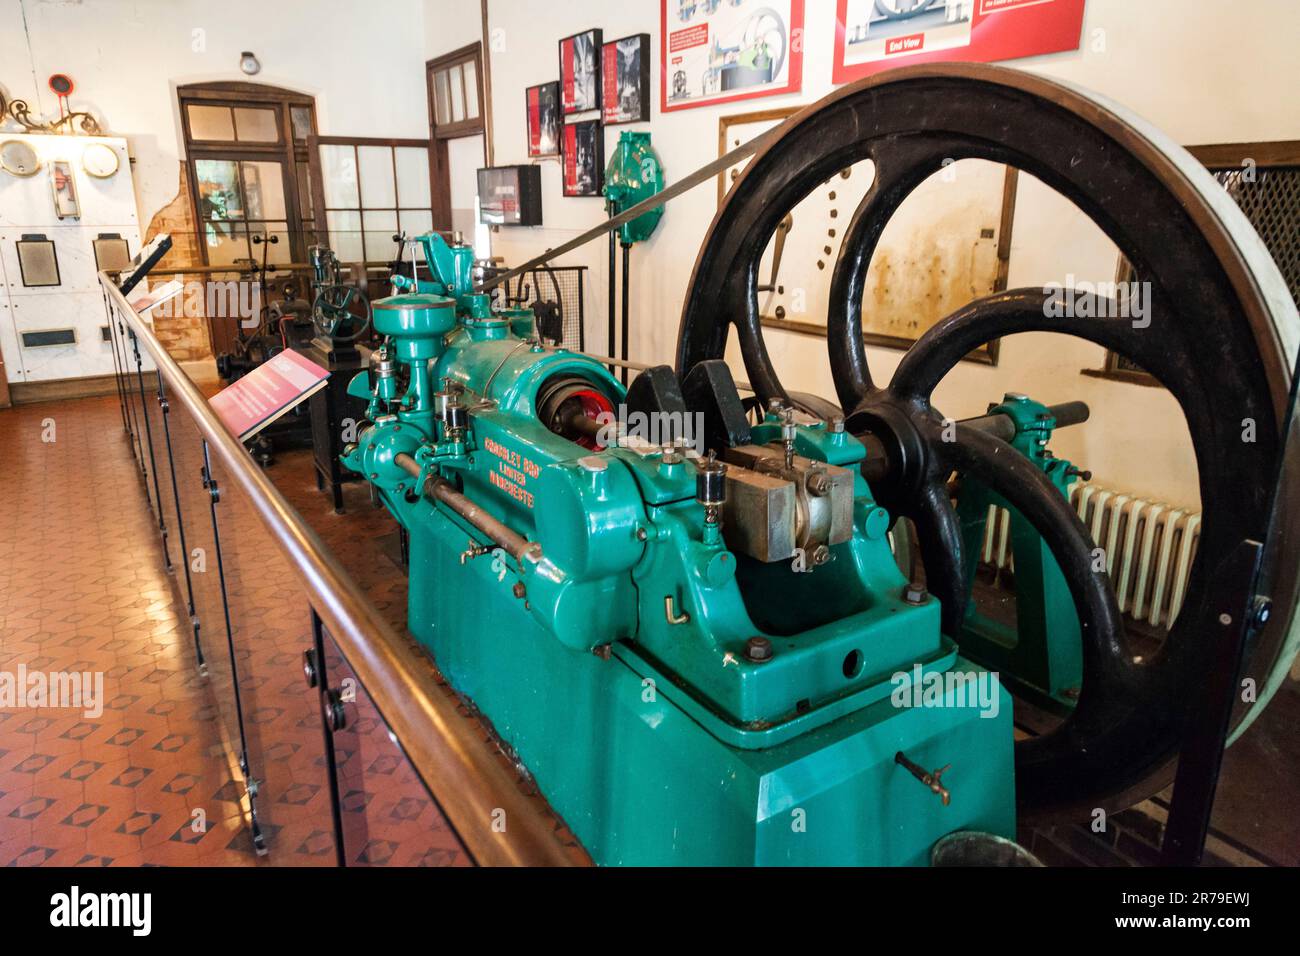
<point x="329" y="327"/>
<point x="280" y="325"/>
<point x="340" y="317"/>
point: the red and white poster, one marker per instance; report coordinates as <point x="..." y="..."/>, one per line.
<point x="625" y="87"/>
<point x="874" y="35"/>
<point x="543" y="107"/>
<point x="249" y="404"/>
<point x="718" y="51"/>
<point x="584" y="158"/>
<point x="580" y="72"/>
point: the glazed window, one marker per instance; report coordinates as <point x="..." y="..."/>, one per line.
<point x="370" y="190"/>
<point x="249" y="171"/>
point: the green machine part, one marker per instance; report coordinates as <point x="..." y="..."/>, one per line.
<point x="633" y="174"/>
<point x="1039" y="653"/>
<point x="615" y="654"/>
<point x="451" y="268"/>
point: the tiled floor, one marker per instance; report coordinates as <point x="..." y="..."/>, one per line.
<point x="83" y="587"/>
<point x="79" y="592"/>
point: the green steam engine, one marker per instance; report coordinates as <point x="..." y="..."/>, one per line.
<point x="677" y="603"/>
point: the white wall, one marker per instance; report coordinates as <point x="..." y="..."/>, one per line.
<point x="1203" y="72"/>
<point x="128" y="56"/>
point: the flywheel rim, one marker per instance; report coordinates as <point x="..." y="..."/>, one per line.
<point x="1193" y="207"/>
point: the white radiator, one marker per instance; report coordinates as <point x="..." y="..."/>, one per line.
<point x="1149" y="547"/>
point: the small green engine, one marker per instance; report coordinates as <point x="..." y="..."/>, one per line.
<point x="689" y="628"/>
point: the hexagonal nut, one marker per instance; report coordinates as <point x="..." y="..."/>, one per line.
<point x="915" y="593"/>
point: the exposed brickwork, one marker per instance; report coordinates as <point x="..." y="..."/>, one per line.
<point x="186" y="336"/>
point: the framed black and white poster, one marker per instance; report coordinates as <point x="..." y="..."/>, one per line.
<point x="584" y="158"/>
<point x="625" y="64"/>
<point x="543" y="103"/>
<point x="580" y="72"/>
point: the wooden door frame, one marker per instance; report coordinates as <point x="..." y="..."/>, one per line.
<point x="286" y="150"/>
<point x="439" y="161"/>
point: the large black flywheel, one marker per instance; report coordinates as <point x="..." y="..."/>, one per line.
<point x="1220" y="333"/>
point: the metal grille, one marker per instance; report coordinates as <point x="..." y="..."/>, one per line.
<point x="563" y="284"/>
<point x="38" y="261"/>
<point x="111" y="253"/>
<point x="1270" y="198"/>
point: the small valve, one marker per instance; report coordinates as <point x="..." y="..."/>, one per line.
<point x="451" y="411"/>
<point x="787" y="436"/>
<point x="931" y="778"/>
<point x="474" y="550"/>
<point x="711" y="488"/>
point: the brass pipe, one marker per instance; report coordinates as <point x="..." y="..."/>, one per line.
<point x="463" y="774"/>
<point x="440" y="489"/>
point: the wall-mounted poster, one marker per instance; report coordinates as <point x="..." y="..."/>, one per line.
<point x="580" y="72"/>
<point x="716" y="51"/>
<point x="584" y="158"/>
<point x="543" y="105"/>
<point x="874" y="35"/>
<point x="626" y="86"/>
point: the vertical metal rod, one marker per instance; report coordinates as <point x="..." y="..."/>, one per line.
<point x="117" y="370"/>
<point x="627" y="268"/>
<point x="180" y="524"/>
<point x="250" y="785"/>
<point x="612" y="344"/>
<point x="153" y="465"/>
<point x="331" y="763"/>
<point x="133" y="428"/>
<point x="582" y="316"/>
<point x="1205" y="737"/>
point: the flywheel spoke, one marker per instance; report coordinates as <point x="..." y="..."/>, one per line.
<point x="1035" y="310"/>
<point x="1106" y="655"/>
<point x="900" y="166"/>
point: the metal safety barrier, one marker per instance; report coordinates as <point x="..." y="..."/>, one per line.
<point x="198" y="477"/>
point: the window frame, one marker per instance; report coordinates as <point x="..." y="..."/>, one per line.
<point x="319" y="208"/>
<point x="1216" y="158"/>
<point x="473" y="53"/>
<point x="287" y="151"/>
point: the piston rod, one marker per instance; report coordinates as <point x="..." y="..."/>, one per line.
<point x="440" y="489"/>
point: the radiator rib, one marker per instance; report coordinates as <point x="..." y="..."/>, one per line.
<point x="1149" y="547"/>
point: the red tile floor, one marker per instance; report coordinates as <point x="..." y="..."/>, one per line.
<point x="83" y="588"/>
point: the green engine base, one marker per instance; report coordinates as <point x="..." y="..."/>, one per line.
<point x="626" y="758"/>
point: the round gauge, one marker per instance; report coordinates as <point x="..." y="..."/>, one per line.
<point x="99" y="160"/>
<point x="18" y="158"/>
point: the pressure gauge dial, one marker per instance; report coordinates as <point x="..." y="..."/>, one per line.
<point x="19" y="158"/>
<point x="99" y="160"/>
